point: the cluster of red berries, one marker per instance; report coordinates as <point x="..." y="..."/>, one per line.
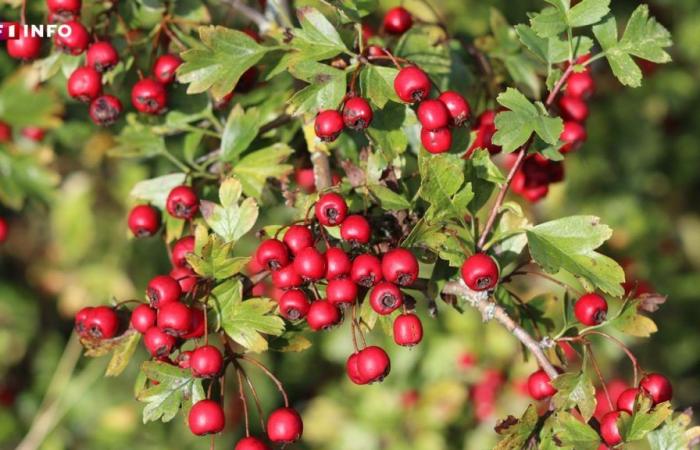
<point x="535" y="175"/>
<point x="34" y="134"/>
<point x="149" y="95"/>
<point x="357" y="115"/>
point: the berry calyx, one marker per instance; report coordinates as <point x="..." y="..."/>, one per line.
<point x="400" y="266"/>
<point x="408" y="330"/>
<point x="373" y="364"/>
<point x="433" y="114"/>
<point x="149" y="96"/>
<point x="436" y="141"/>
<point x="658" y="387"/>
<point x="341" y="291"/>
<point x="297" y="238"/>
<point x="286" y="278"/>
<point x="385" y="298"/>
<point x="366" y="270"/>
<point x="158" y="343"/>
<point x="573" y="108"/>
<point x="174" y="318"/>
<point x="338" y="263"/>
<point x="272" y="254"/>
<point x="102" y="322"/>
<point x="284" y="425"/>
<point x="102" y="56"/>
<point x="183" y="247"/>
<point x="85" y="84"/>
<point x="206" y="362"/>
<point x="105" y="110"/>
<point x="206" y="417"/>
<point x="573" y="136"/>
<point x="580" y="85"/>
<point x="143" y="317"/>
<point x="251" y="443"/>
<point x="480" y="272"/>
<point x="185" y="277"/>
<point x="591" y="309"/>
<point x="328" y="125"/>
<point x="539" y="385"/>
<point x="609" y="430"/>
<point x="144" y="221"/>
<point x="412" y="84"/>
<point x="323" y="315"/>
<point x="331" y="209"/>
<point x="294" y="304"/>
<point x="162" y="290"/>
<point x="397" y="21"/>
<point x="182" y="202"/>
<point x="625" y="402"/>
<point x="165" y="66"/>
<point x="355" y="229"/>
<point x="357" y="113"/>
<point x="74" y="42"/>
<point x="457" y="106"/>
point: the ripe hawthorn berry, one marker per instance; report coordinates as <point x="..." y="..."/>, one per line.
<point x="164" y="68"/>
<point x="539" y="385"/>
<point x="197" y="324"/>
<point x="658" y="387"/>
<point x="182" y="202"/>
<point x="341" y="291"/>
<point x="433" y="114"/>
<point x="408" y="330"/>
<point x="162" y="290"/>
<point x="105" y="110"/>
<point x="397" y="21"/>
<point x="284" y="425"/>
<point x="412" y="84"/>
<point x="251" y="443"/>
<point x="305" y="179"/>
<point x="183" y="247"/>
<point x="357" y="113"/>
<point x="355" y="229"/>
<point x="102" y="56"/>
<point x="206" y="362"/>
<point x="385" y="298"/>
<point x="144" y="220"/>
<point x="338" y="263"/>
<point x="174" y="318"/>
<point x="272" y="254"/>
<point x="4" y="230"/>
<point x="158" y="343"/>
<point x="185" y="277"/>
<point x="80" y="319"/>
<point x="323" y="315"/>
<point x="580" y="85"/>
<point x="64" y="8"/>
<point x="436" y="141"/>
<point x="143" y="317"/>
<point x="573" y="108"/>
<point x="328" y="125"/>
<point x="297" y="238"/>
<point x="480" y="272"/>
<point x="294" y="304"/>
<point x="84" y="84"/>
<point x="286" y="278"/>
<point x="34" y="134"/>
<point x="625" y="402"/>
<point x="25" y="47"/>
<point x="5" y="132"/>
<point x="366" y="270"/>
<point x="74" y="42"/>
<point x="331" y="209"/>
<point x="485" y="128"/>
<point x="352" y="370"/>
<point x="373" y="364"/>
<point x="400" y="266"/>
<point x="608" y="428"/>
<point x="458" y="107"/>
<point x="102" y="323"/>
<point x="573" y="135"/>
<point x="591" y="309"/>
<point x="149" y="96"/>
<point x="206" y="417"/>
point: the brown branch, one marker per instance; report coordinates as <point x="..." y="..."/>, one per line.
<point x="322" y="170"/>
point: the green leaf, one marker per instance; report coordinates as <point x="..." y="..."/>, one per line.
<point x="674" y="434"/>
<point x="138" y="140"/>
<point x="569" y="244"/>
<point x="241" y="129"/>
<point x="219" y="63"/>
<point x="215" y="260"/>
<point x="552" y="50"/>
<point x="645" y="418"/>
<point x="21" y="105"/>
<point x="633" y="323"/>
<point x="516" y="432"/>
<point x="575" y="390"/>
<point x="326" y="89"/>
<point x="24" y="175"/>
<point x="571" y="431"/>
<point x="553" y="21"/>
<point x="232" y="220"/>
<point x="442" y="180"/>
<point x="516" y="125"/>
<point x="254" y="169"/>
<point x="429" y="52"/>
<point x="588" y="12"/>
<point x="377" y="84"/>
<point x="176" y="389"/>
<point x="388" y="199"/>
<point x="155" y="190"/>
<point x="386" y="130"/>
<point x="122" y="354"/>
<point x="317" y="39"/>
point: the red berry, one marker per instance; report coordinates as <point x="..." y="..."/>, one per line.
<point x="284" y="425"/>
<point x="626" y="400"/>
<point x="373" y="364"/>
<point x="573" y="135"/>
<point x="331" y="209"/>
<point x="608" y="428"/>
<point x="286" y="278"/>
<point x="162" y="290"/>
<point x="366" y="270"/>
<point x="397" y="20"/>
<point x="433" y="114"/>
<point x="183" y="359"/>
<point x="74" y="42"/>
<point x="408" y="330"/>
<point x="485" y="128"/>
<point x="457" y="106"/>
<point x="294" y="305"/>
<point x="539" y="385"/>
<point x="183" y="247"/>
<point x="5" y="132"/>
<point x="165" y="66"/>
<point x="149" y="96"/>
<point x="174" y="318"/>
<point x="81" y="318"/>
<point x="355" y="229"/>
<point x="251" y="443"/>
<point x="102" y="323"/>
<point x="35" y="134"/>
<point x="272" y="254"/>
<point x="305" y="179"/>
<point x="436" y="141"/>
<point x="185" y="277"/>
<point x="573" y="108"/>
<point x="158" y="343"/>
<point x="352" y="370"/>
<point x="375" y="50"/>
<point x="341" y="291"/>
<point x="182" y="202"/>
<point x="412" y="84"/>
<point x="328" y="125"/>
<point x="25" y="47"/>
<point x="4" y="230"/>
<point x="84" y="84"/>
<point x="105" y="110"/>
<point x="143" y="317"/>
<point x="580" y="85"/>
<point x="64" y="6"/>
<point x="144" y="221"/>
<point x="206" y="362"/>
<point x="357" y="114"/>
<point x="297" y="238"/>
<point x="591" y="309"/>
<point x="323" y="315"/>
<point x="206" y="417"/>
<point x="385" y="298"/>
<point x="480" y="272"/>
<point x="400" y="266"/>
<point x="102" y="56"/>
<point x="197" y="324"/>
<point x="337" y="263"/>
<point x="658" y="387"/>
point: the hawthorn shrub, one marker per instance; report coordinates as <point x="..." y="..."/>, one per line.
<point x="343" y="170"/>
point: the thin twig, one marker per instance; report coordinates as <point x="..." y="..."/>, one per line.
<point x="270" y="375"/>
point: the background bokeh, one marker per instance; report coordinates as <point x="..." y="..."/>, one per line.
<point x="639" y="171"/>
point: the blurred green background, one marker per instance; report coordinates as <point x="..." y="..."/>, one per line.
<point x="639" y="171"/>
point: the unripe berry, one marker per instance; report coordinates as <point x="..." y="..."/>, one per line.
<point x="185" y="277"/>
<point x="539" y="385"/>
<point x="480" y="272"/>
<point x="357" y="114"/>
<point x="85" y="84"/>
<point x="591" y="309"/>
<point x="433" y="114"/>
<point x="297" y="238"/>
<point x="162" y="290"/>
<point x="206" y="417"/>
<point x="165" y="66"/>
<point x="400" y="266"/>
<point x="397" y="21"/>
<point x="284" y="425"/>
<point x="341" y="291"/>
<point x="338" y="263"/>
<point x="580" y="85"/>
<point x="573" y="135"/>
<point x="436" y="141"/>
<point x="251" y="443"/>
<point x="625" y="402"/>
<point x="76" y="41"/>
<point x="355" y="229"/>
<point x="658" y="387"/>
<point x="294" y="305"/>
<point x="573" y="108"/>
<point x="105" y="110"/>
<point x="457" y="106"/>
<point x="149" y="96"/>
<point x="197" y="324"/>
<point x="373" y="364"/>
<point x="366" y="270"/>
<point x="352" y="370"/>
<point x="323" y="315"/>
<point x="4" y="230"/>
<point x="158" y="343"/>
<point x="331" y="209"/>
<point x="328" y="125"/>
<point x="286" y="278"/>
<point x="144" y="221"/>
<point x="143" y="317"/>
<point x="412" y="84"/>
<point x="182" y="202"/>
<point x="385" y="298"/>
<point x="102" y="56"/>
<point x="408" y="330"/>
<point x="609" y="430"/>
<point x="183" y="247"/>
<point x="206" y="362"/>
<point x="272" y="254"/>
<point x="102" y="323"/>
<point x="81" y="318"/>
